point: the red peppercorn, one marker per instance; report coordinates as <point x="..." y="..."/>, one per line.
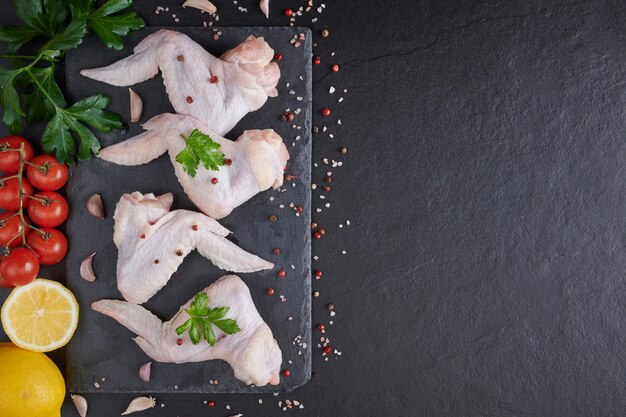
<point x="270" y="291"/>
<point x="228" y="162"/>
<point x="286" y="372"/>
<point x="214" y="180"/>
<point x="213" y="79"/>
<point x="335" y="68"/>
<point x="179" y="342"/>
<point x="278" y="57"/>
<point x="276" y="251"/>
<point x="317" y="235"/>
<point x="320" y="327"/>
<point x="328" y="179"/>
<point x="299" y="209"/>
<point x="318" y="274"/>
<point x="326" y="111"/>
<point x="321" y="231"/>
<point x="194" y="227"/>
<point x="282" y="273"/>
<point x="317" y="60"/>
<point x="314" y="225"/>
<point x="327" y="349"/>
<point x="189" y="99"/>
<point x="288" y="12"/>
<point x="142" y="236"/>
<point x="211" y="403"/>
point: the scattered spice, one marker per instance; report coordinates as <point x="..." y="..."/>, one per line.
<point x="316" y="129"/>
<point x="326" y="188"/>
<point x="318" y="274"/>
<point x="324" y="33"/>
<point x="320" y="327"/>
<point x="326" y="111"/>
<point x="330" y="307"/>
<point x="156" y="261"/>
<point x="214" y="180"/>
<point x="276" y="251"/>
<point x="270" y="291"/>
<point x="328" y="179"/>
<point x="179" y="252"/>
<point x="317" y="235"/>
<point x="286" y="372"/>
<point x="213" y="79"/>
<point x="327" y="349"/>
<point x="314" y="225"/>
<point x="179" y="342"/>
<point x="278" y="57"/>
<point x="194" y="227"/>
<point x="282" y="273"/>
<point x="321" y="231"/>
<point x="211" y="403"/>
<point x="142" y="236"/>
<point x="228" y="162"/>
<point x="343" y="150"/>
<point x="316" y="294"/>
<point x="335" y="68"/>
<point x="288" y="12"/>
<point x="180" y="58"/>
<point x="287" y="117"/>
<point x="272" y="218"/>
<point x="317" y="60"/>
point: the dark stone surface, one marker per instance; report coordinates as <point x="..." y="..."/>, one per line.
<point x="484" y="273"/>
<point x="101" y="348"/>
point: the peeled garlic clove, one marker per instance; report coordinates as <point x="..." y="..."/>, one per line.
<point x="86" y="270"/>
<point x="144" y="372"/>
<point x="204" y="5"/>
<point x="140" y="404"/>
<point x="81" y="404"/>
<point x="95" y="206"/>
<point x="265" y="8"/>
<point x="136" y="106"/>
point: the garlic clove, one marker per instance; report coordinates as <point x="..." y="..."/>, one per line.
<point x="86" y="269"/>
<point x="95" y="206"/>
<point x="204" y="5"/>
<point x="265" y="8"/>
<point x="144" y="371"/>
<point x="136" y="106"/>
<point x="81" y="404"/>
<point x="140" y="404"/>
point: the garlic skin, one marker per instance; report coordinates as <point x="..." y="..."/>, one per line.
<point x="136" y="106"/>
<point x="144" y="372"/>
<point x="204" y="5"/>
<point x="81" y="404"/>
<point x="140" y="404"/>
<point x="86" y="269"/>
<point x="265" y="8"/>
<point x="95" y="206"/>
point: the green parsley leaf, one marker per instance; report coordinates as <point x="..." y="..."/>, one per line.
<point x="69" y="38"/>
<point x="16" y="37"/>
<point x="36" y="103"/>
<point x="109" y="27"/>
<point x="202" y="319"/>
<point x="199" y="147"/>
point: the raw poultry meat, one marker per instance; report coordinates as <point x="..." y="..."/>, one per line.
<point x="217" y="91"/>
<point x="253" y="352"/>
<point x="257" y="158"/>
<point x="152" y="242"/>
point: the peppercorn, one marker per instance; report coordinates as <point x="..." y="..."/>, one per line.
<point x="317" y="235"/>
<point x="288" y="12"/>
<point x="314" y="225"/>
<point x="317" y="60"/>
<point x="335" y="68"/>
<point x="343" y="150"/>
<point x="299" y="209"/>
<point x="316" y="129"/>
<point x="156" y="261"/>
<point x="180" y="58"/>
<point x="214" y="181"/>
<point x="179" y="252"/>
<point x="327" y="349"/>
<point x="213" y="79"/>
<point x="278" y="57"/>
<point x="330" y="307"/>
<point x="287" y="116"/>
<point x="324" y="33"/>
<point x="316" y="294"/>
<point x="179" y="342"/>
<point x="282" y="273"/>
<point x="142" y="236"/>
<point x="318" y="274"/>
<point x="326" y="188"/>
<point x="189" y="99"/>
<point x="194" y="227"/>
<point x="321" y="231"/>
<point x="211" y="403"/>
<point x="270" y="291"/>
<point x="273" y="218"/>
<point x="320" y="327"/>
<point x="326" y="111"/>
<point x="276" y="251"/>
<point x="228" y="162"/>
<point x="328" y="179"/>
<point x="286" y="372"/>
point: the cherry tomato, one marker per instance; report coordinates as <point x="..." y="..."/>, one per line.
<point x="10" y="160"/>
<point x="9" y="193"/>
<point x="47" y="173"/>
<point x="49" y="244"/>
<point x="10" y="227"/>
<point x="20" y="267"/>
<point x="48" y="209"/>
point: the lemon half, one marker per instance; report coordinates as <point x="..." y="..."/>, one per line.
<point x="41" y="316"/>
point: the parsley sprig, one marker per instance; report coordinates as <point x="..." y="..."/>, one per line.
<point x="202" y="319"/>
<point x="28" y="90"/>
<point x="199" y="147"/>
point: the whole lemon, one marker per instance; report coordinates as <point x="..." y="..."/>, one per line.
<point x="31" y="384"/>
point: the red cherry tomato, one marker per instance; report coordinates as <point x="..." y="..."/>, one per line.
<point x="10" y="160"/>
<point x="46" y="173"/>
<point x="20" y="267"/>
<point x="10" y="227"/>
<point x="9" y="193"/>
<point x="48" y="209"/>
<point x="49" y="244"/>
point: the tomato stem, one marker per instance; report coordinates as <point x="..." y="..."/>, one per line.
<point x="21" y="194"/>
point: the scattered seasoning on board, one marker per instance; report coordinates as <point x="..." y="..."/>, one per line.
<point x="194" y="227"/>
<point x="213" y="79"/>
<point x="278" y="57"/>
<point x="270" y="291"/>
<point x="324" y="33"/>
<point x="282" y="273"/>
<point x="272" y="218"/>
<point x="189" y="100"/>
<point x="335" y="68"/>
<point x="180" y="58"/>
<point x="179" y="342"/>
<point x="326" y="111"/>
<point x="214" y="180"/>
<point x="276" y="251"/>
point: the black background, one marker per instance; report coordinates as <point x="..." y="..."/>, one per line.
<point x="484" y="265"/>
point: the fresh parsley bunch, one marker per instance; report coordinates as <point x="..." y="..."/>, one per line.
<point x="202" y="319"/>
<point x="28" y="90"/>
<point x="199" y="147"/>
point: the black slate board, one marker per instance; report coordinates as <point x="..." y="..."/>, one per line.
<point x="102" y="351"/>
